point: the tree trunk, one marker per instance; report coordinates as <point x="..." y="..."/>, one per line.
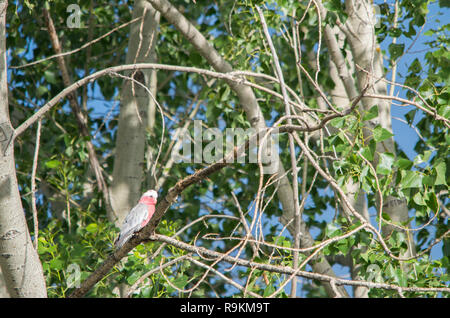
<point x="367" y="55"/>
<point x="19" y="260"/>
<point x="136" y="114"/>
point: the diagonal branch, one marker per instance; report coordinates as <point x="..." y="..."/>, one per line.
<point x="161" y="209"/>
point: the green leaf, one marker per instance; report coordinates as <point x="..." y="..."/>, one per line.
<point x="83" y="155"/>
<point x="371" y="113"/>
<point x="444" y="3"/>
<point x="56" y="264"/>
<point x="403" y="163"/>
<point x="395" y="32"/>
<point x="281" y="241"/>
<point x="432" y="202"/>
<point x="146" y="291"/>
<point x="390" y="271"/>
<point x="343" y="246"/>
<point x="92" y="228"/>
<point x="195" y="58"/>
<point x="29" y="5"/>
<point x="440" y="169"/>
<point x="338" y="122"/>
<point x="380" y="134"/>
<point x="422" y="158"/>
<point x="69" y="151"/>
<point x="45" y="266"/>
<point x="181" y="281"/>
<point x="398" y="238"/>
<point x="133" y="277"/>
<point x="385" y="164"/>
<point x="411" y="179"/>
<point x="400" y="277"/>
<point x="52" y="164"/>
<point x="368" y="152"/>
<point x="386" y="216"/>
<point x="396" y="50"/>
<point x="446" y="248"/>
<point x="365" y="256"/>
<point x="269" y="290"/>
<point x="332" y="230"/>
<point x="415" y="66"/>
<point x="418" y="198"/>
<point x="225" y="94"/>
<point x="50" y="77"/>
<point x="333" y="5"/>
<point x="67" y="141"/>
<point x="410" y="116"/>
<point x="41" y="90"/>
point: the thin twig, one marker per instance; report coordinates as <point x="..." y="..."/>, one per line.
<point x="280" y="77"/>
<point x="78" y="49"/>
<point x="33" y="184"/>
<point x="152" y="271"/>
<point x="225" y="278"/>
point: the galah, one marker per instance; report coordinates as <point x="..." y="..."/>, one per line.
<point x="138" y="217"/>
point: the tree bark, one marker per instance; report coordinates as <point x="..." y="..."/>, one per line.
<point x="367" y="55"/>
<point x="19" y="260"/>
<point x="137" y="112"/>
<point x="343" y="92"/>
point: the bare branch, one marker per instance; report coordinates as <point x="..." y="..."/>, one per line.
<point x="62" y="54"/>
<point x="33" y="184"/>
<point x="288" y="270"/>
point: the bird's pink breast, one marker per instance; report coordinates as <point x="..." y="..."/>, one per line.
<point x="151" y="210"/>
<point x="147" y="200"/>
<point x="150" y="202"/>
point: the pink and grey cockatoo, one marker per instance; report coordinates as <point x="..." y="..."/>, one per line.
<point x="138" y="217"/>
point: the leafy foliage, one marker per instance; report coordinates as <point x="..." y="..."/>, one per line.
<point x="73" y="228"/>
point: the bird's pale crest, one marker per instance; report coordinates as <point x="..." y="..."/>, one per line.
<point x="151" y="193"/>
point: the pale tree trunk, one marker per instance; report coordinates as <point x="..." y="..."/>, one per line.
<point x="3" y="288"/>
<point x="136" y="119"/>
<point x="367" y="55"/>
<point x="136" y="114"/>
<point x="254" y="115"/>
<point x="341" y="71"/>
<point x="344" y="86"/>
<point x="19" y="260"/>
<point x="364" y="53"/>
<point x="340" y="99"/>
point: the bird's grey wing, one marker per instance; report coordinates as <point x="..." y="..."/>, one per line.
<point x="136" y="216"/>
<point x="132" y="223"/>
